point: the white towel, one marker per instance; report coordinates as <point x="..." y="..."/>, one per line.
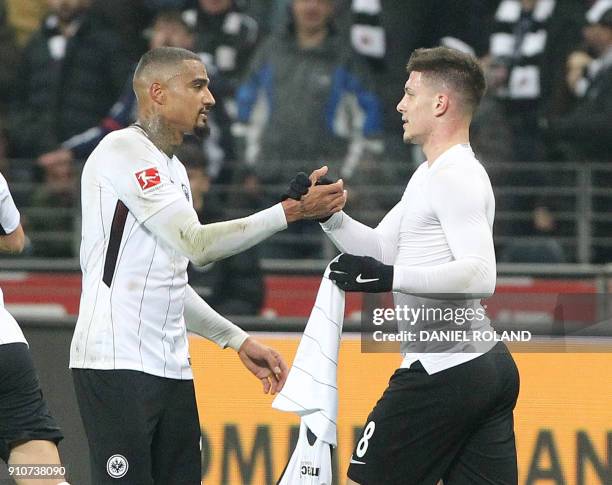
<point x="311" y="389"/>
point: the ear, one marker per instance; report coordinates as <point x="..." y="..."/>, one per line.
<point x="157" y="93"/>
<point x="440" y="104"/>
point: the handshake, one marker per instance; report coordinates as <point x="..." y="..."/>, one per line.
<point x="315" y="196"/>
<point x="319" y="199"/>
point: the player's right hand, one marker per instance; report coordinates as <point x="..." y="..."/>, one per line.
<point x="320" y="197"/>
<point x="324" y="199"/>
<point x="265" y="363"/>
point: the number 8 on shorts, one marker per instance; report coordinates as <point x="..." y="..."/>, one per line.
<point x="364" y="442"/>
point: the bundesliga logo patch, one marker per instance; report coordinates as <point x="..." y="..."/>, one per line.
<point x="148" y="178"/>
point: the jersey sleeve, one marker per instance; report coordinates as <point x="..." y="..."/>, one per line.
<point x="9" y="215"/>
<point x="203" y="320"/>
<point x="351" y="236"/>
<point x="140" y="182"/>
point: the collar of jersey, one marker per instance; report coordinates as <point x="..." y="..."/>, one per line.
<point x="450" y="154"/>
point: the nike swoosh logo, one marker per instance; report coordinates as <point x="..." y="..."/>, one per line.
<point x="353" y="461"/>
<point x="359" y="279"/>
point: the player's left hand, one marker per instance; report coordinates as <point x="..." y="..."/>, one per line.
<point x="361" y="273"/>
<point x="264" y="363"/>
<point x="297" y="187"/>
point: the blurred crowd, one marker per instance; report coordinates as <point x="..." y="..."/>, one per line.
<point x="300" y="82"/>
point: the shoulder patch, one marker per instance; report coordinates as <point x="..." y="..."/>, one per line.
<point x="148" y="178"/>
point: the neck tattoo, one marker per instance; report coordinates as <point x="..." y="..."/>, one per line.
<point x="160" y="134"/>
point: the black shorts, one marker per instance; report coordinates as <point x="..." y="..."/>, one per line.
<point x="456" y="425"/>
<point x="24" y="415"/>
<point x="142" y="429"/>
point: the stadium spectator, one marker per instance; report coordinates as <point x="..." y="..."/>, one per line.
<point x="168" y="29"/>
<point x="130" y="19"/>
<point x="226" y="37"/>
<point x="273" y="15"/>
<point x="25" y="17"/>
<point x="9" y="53"/>
<point x="71" y="72"/>
<point x="386" y="32"/>
<point x="529" y="46"/>
<point x="543" y="248"/>
<point x="585" y="131"/>
<point x="57" y="195"/>
<point x="267" y="13"/>
<point x="305" y="76"/>
<point x="306" y="98"/>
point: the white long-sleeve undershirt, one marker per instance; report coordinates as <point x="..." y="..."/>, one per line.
<point x="202" y="319"/>
<point x="178" y="226"/>
<point x="439" y="236"/>
<point x="439" y="240"/>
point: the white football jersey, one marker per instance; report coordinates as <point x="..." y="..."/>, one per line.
<point x="131" y="310"/>
<point x="9" y="221"/>
<point x="310" y="463"/>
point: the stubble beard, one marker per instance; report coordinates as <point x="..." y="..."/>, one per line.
<point x="201" y="132"/>
<point x="407" y="139"/>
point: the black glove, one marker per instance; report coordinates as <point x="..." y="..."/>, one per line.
<point x="297" y="187"/>
<point x="361" y="273"/>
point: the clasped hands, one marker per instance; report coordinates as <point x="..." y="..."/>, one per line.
<point x="319" y="200"/>
<point x="315" y="197"/>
